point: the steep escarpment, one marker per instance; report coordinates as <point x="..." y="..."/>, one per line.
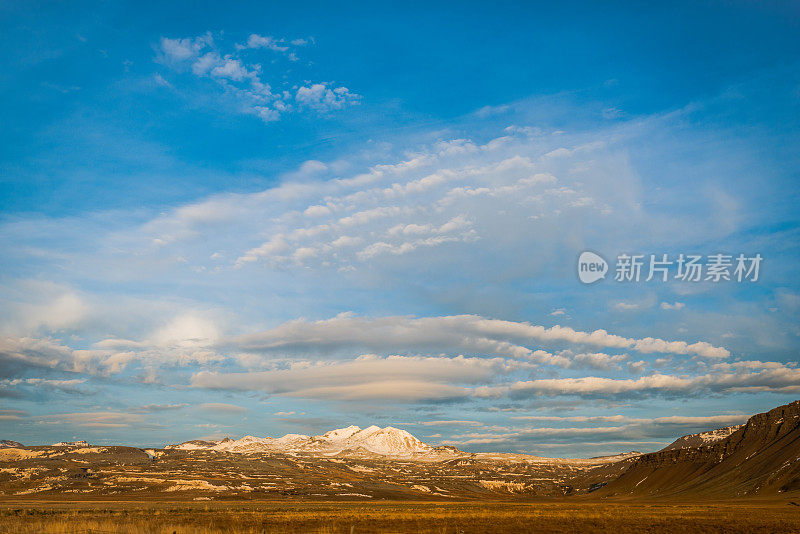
<point x="760" y="458"/>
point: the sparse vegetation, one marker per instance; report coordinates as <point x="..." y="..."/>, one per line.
<point x="359" y="517"/>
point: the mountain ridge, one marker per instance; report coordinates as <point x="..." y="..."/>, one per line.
<point x="760" y="457"/>
<point x="388" y="441"/>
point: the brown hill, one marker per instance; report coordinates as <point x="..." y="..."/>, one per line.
<point x="761" y="458"/>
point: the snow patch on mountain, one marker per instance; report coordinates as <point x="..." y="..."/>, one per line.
<point x="390" y="441"/>
<point x="702" y="438"/>
<point x="340" y="433"/>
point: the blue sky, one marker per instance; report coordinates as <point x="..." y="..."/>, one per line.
<point x="259" y="219"/>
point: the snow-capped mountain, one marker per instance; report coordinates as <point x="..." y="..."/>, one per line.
<point x="388" y="441"/>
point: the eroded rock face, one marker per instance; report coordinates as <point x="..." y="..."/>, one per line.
<point x="770" y="426"/>
<point x="762" y="456"/>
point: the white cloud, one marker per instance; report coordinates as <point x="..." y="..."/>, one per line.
<point x="221" y="407"/>
<point x="451" y="422"/>
<point x="469" y="333"/>
<point x="188" y="331"/>
<point x="259" y="41"/>
<point x="322" y="98"/>
<point x="451" y="199"/>
<point x="386" y="390"/>
<point x="72" y="385"/>
<point x="100" y="420"/>
<point x="638" y="367"/>
<point x="12" y="415"/>
<point x="455" y="196"/>
<point x="675" y="306"/>
<point x="316" y="211"/>
<point x="402" y="378"/>
<point x="708" y="421"/>
<point x="246" y="81"/>
<point x="35" y="306"/>
<point x="178" y="50"/>
<point x="599" y="360"/>
<point x="229" y="68"/>
<point x="159" y="80"/>
<point x="785" y="380"/>
<point x="35" y="352"/>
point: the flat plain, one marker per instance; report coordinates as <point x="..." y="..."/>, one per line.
<point x="357" y="517"/>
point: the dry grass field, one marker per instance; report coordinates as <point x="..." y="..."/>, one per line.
<point x="396" y="517"/>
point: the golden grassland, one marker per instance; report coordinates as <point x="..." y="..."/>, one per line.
<point x="98" y="517"/>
